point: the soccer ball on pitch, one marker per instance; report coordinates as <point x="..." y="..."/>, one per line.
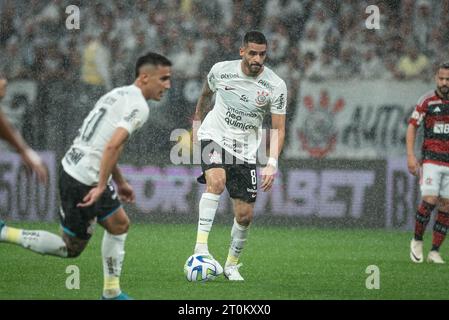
<point x="200" y="267"/>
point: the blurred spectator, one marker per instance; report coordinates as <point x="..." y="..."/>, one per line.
<point x="278" y="43"/>
<point x="347" y="67"/>
<point x="413" y="65"/>
<point x="371" y="67"/>
<point x="323" y="68"/>
<point x="311" y="42"/>
<point x="320" y="20"/>
<point x="186" y="62"/>
<point x="6" y="21"/>
<point x="95" y="68"/>
<point x="423" y="22"/>
<point x="15" y="68"/>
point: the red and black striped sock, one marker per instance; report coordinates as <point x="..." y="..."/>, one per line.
<point x="422" y="218"/>
<point x="440" y="229"/>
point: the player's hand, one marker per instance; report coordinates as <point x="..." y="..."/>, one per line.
<point x="126" y="193"/>
<point x="93" y="195"/>
<point x="413" y="165"/>
<point x="35" y="163"/>
<point x="268" y="174"/>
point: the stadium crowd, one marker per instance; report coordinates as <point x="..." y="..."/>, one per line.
<point x="314" y="40"/>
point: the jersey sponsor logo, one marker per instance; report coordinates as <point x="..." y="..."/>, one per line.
<point x="266" y="84"/>
<point x="244" y="98"/>
<point x="437" y="109"/>
<point x="428" y="181"/>
<point x="241" y="113"/>
<point x="229" y="76"/>
<point x="281" y="101"/>
<point x="236" y="118"/>
<point x="239" y="124"/>
<point x="441" y="128"/>
<point x="261" y="98"/>
<point x="227" y="88"/>
<point x="74" y="156"/>
<point x="131" y="116"/>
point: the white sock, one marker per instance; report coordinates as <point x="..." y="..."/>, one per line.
<point x="239" y="234"/>
<point x="39" y="241"/>
<point x="208" y="207"/>
<point x="113" y="253"/>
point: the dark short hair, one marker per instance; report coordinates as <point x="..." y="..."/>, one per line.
<point x="153" y="59"/>
<point x="443" y="65"/>
<point x="254" y="37"/>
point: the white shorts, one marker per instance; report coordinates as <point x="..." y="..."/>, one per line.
<point x="435" y="180"/>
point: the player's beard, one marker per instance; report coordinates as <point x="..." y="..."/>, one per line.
<point x="444" y="90"/>
<point x="254" y="68"/>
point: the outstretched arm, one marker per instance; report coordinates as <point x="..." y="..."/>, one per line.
<point x="29" y="156"/>
<point x="109" y="159"/>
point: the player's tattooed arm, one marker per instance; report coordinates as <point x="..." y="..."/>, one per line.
<point x="204" y="102"/>
<point x="202" y="107"/>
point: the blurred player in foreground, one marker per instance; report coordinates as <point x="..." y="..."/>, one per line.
<point x="230" y="134"/>
<point x="86" y="190"/>
<point x="13" y="137"/>
<point x="432" y="112"/>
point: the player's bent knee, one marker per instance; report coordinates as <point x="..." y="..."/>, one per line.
<point x="216" y="186"/>
<point x="120" y="228"/>
<point x="244" y="221"/>
<point x="244" y="217"/>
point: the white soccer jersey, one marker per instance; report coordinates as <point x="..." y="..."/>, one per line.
<point x="123" y="107"/>
<point x="235" y="122"/>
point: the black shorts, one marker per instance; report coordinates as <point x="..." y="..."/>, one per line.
<point x="79" y="222"/>
<point x="241" y="177"/>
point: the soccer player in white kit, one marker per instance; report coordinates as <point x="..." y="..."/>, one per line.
<point x="86" y="191"/>
<point x="230" y="135"/>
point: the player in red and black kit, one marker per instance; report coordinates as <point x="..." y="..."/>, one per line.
<point x="433" y="112"/>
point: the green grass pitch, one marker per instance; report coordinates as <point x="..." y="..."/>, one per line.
<point x="285" y="263"/>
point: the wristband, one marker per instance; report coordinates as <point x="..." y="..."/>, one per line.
<point x="272" y="162"/>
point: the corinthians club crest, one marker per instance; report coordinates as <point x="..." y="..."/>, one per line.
<point x="318" y="133"/>
<point x="262" y="98"/>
